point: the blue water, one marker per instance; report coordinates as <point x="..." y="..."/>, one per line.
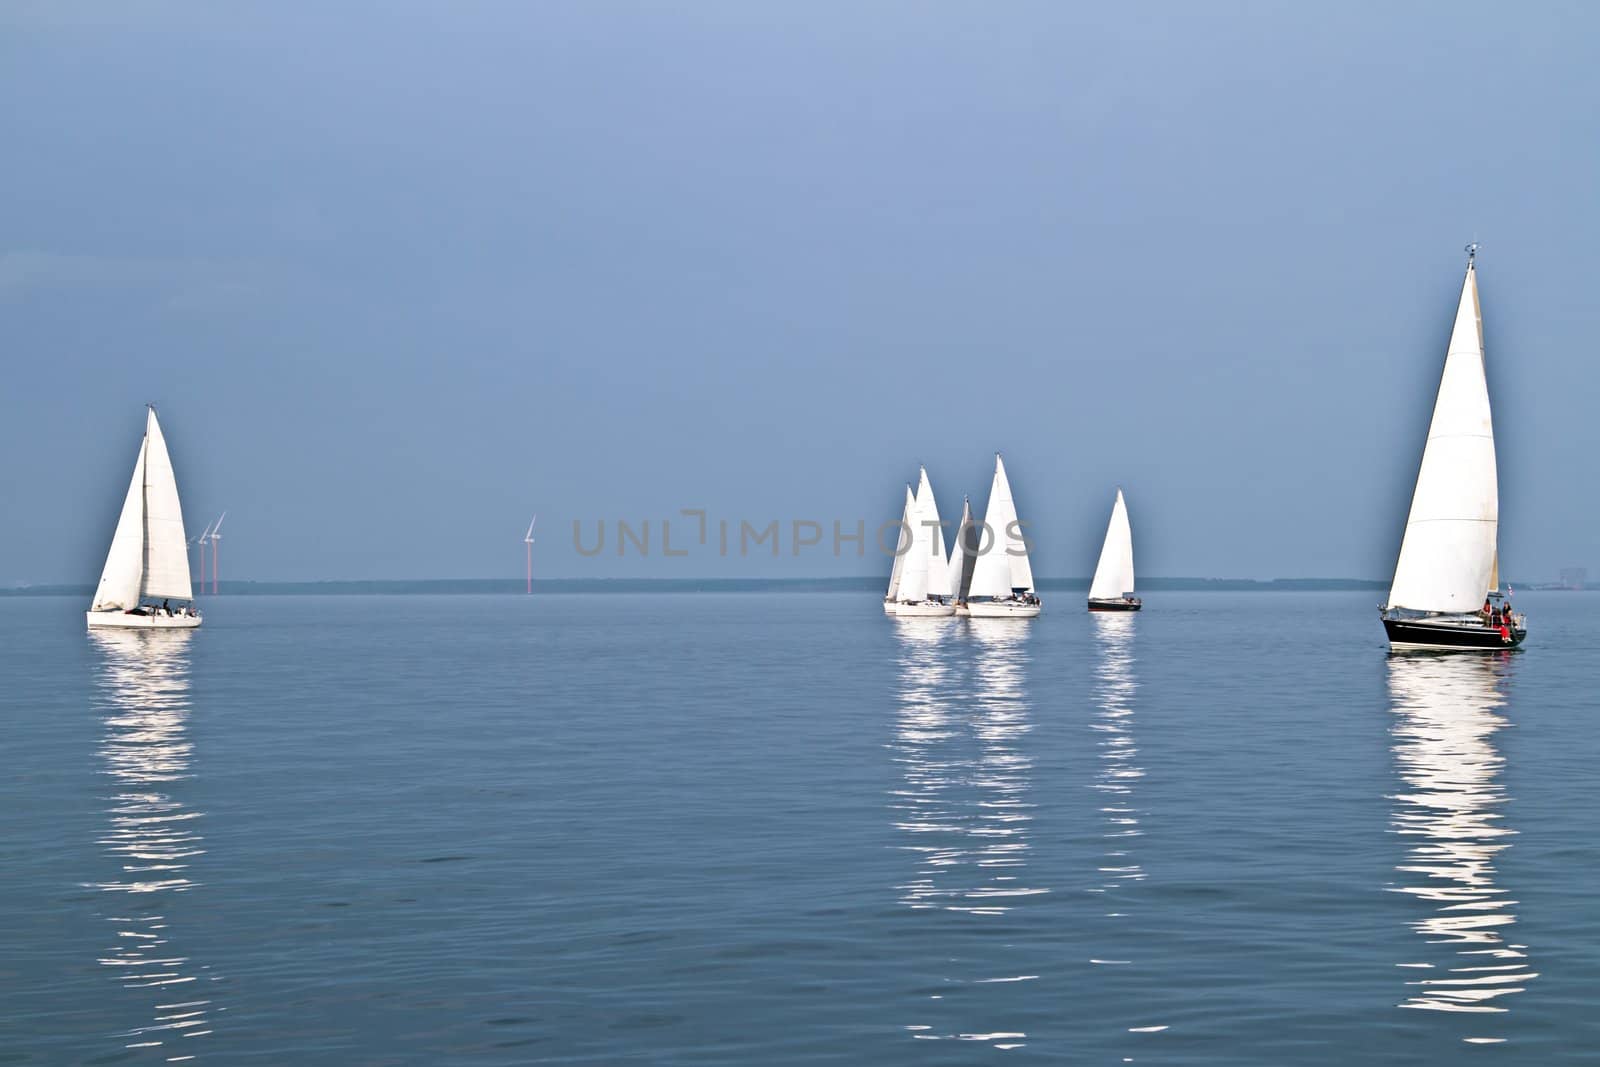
<point x="785" y="829"/>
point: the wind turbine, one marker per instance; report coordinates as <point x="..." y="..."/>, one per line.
<point x="527" y="539"/>
<point x="201" y="541"/>
<point x="215" y="536"/>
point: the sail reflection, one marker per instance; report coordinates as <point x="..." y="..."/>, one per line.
<point x="1448" y="712"/>
<point x="965" y="806"/>
<point x="963" y="801"/>
<point x="1119" y="753"/>
<point x="145" y="750"/>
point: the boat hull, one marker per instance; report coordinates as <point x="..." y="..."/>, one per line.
<point x="1004" y="609"/>
<point x="1425" y="634"/>
<point x="121" y="620"/>
<point x="923" y="611"/>
<point x="1121" y="603"/>
<point x="891" y="608"/>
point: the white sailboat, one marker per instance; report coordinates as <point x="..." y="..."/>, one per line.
<point x="145" y="584"/>
<point x="1112" y="587"/>
<point x="1449" y="557"/>
<point x="924" y="579"/>
<point x="1002" y="579"/>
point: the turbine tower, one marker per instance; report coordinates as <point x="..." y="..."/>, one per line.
<point x="215" y="536"/>
<point x="201" y="541"/>
<point x="527" y="539"/>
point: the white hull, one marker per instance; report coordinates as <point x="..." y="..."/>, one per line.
<point x="961" y="611"/>
<point x="890" y="607"/>
<point x="924" y="610"/>
<point x="121" y="620"/>
<point x="1002" y="610"/>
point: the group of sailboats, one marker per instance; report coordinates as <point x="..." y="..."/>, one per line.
<point x="1449" y="556"/>
<point x="988" y="574"/>
<point x="985" y="575"/>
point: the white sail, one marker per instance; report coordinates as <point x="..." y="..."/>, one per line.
<point x="1451" y="534"/>
<point x="166" y="550"/>
<point x="119" y="581"/>
<point x="938" y="565"/>
<point x="1016" y="547"/>
<point x="1113" y="575"/>
<point x="1004" y="566"/>
<point x="902" y="545"/>
<point x="960" y="565"/>
<point x="914" y="573"/>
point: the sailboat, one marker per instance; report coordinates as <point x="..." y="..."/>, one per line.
<point x="145" y="584"/>
<point x="1449" y="557"/>
<point x="1001" y="586"/>
<point x="924" y="586"/>
<point x="1112" y="587"/>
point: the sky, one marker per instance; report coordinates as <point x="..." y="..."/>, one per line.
<point x="399" y="276"/>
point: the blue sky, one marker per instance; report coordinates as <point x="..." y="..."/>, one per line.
<point x="400" y="275"/>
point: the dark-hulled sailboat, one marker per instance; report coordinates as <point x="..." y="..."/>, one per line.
<point x="1112" y="586"/>
<point x="1446" y="591"/>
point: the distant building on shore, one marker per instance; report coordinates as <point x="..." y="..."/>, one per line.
<point x="1574" y="577"/>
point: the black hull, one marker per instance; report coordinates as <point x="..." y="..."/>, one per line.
<point x="1119" y="604"/>
<point x="1443" y="636"/>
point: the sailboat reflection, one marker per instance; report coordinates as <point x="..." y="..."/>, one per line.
<point x="1114" y="690"/>
<point x="963" y="802"/>
<point x="144" y="705"/>
<point x="1447" y="708"/>
<point x="971" y="851"/>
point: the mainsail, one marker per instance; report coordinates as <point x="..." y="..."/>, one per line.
<point x="932" y="533"/>
<point x="149" y="554"/>
<point x="1113" y="575"/>
<point x="1450" y="547"/>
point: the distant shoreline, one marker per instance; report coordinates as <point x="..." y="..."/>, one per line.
<point x="869" y="584"/>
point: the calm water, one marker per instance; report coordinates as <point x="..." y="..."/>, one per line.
<point x="784" y="829"/>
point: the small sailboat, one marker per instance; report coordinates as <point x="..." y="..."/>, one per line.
<point x="1112" y="587"/>
<point x="1001" y="586"/>
<point x="145" y="584"/>
<point x="1450" y="558"/>
<point x="924" y="587"/>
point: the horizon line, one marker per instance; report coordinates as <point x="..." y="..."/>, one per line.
<point x="517" y="586"/>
